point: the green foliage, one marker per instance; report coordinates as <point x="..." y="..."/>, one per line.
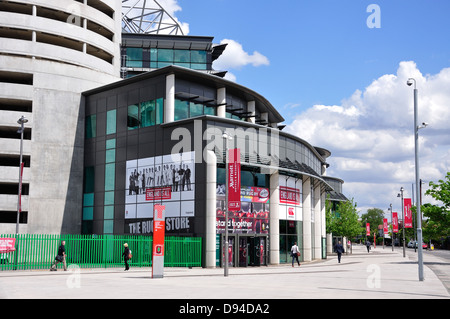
<point x="437" y="224"/>
<point x="343" y="221"/>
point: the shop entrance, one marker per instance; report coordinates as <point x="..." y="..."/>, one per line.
<point x="252" y="251"/>
<point x="245" y="250"/>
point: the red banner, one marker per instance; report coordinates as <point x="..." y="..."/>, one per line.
<point x="7" y="245"/>
<point x="234" y="179"/>
<point x="367" y="229"/>
<point x="395" y="222"/>
<point x="407" y="212"/>
<point x="385" y="226"/>
<point x="159" y="226"/>
<point x="289" y="195"/>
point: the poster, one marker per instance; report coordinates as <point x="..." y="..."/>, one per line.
<point x="395" y="222"/>
<point x="253" y="216"/>
<point x="407" y="212"/>
<point x="290" y="190"/>
<point x="168" y="180"/>
<point x="234" y="180"/>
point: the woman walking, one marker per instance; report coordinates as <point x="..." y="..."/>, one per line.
<point x="126" y="256"/>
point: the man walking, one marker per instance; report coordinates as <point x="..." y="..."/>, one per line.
<point x="61" y="257"/>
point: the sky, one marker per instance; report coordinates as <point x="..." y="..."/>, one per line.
<point x="337" y="71"/>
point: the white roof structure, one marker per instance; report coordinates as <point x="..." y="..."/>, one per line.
<point x="148" y="17"/>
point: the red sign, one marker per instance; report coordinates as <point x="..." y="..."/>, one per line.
<point x="289" y="195"/>
<point x="395" y="222"/>
<point x="234" y="179"/>
<point x="7" y="245"/>
<point x="159" y="226"/>
<point x="385" y="226"/>
<point x="158" y="193"/>
<point x="367" y="229"/>
<point x="407" y="212"/>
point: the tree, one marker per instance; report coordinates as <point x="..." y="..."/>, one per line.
<point x="374" y="217"/>
<point x="438" y="224"/>
<point x="344" y="220"/>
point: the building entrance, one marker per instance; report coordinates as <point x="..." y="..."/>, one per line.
<point x="252" y="251"/>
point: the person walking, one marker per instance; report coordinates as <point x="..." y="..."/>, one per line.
<point x="295" y="252"/>
<point x="60" y="258"/>
<point x="339" y="249"/>
<point x="368" y="245"/>
<point x="126" y="256"/>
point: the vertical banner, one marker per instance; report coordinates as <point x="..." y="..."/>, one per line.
<point x="159" y="226"/>
<point x="367" y="229"/>
<point x="395" y="222"/>
<point x="407" y="212"/>
<point x="234" y="179"/>
<point x="385" y="226"/>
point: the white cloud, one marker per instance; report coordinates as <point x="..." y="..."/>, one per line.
<point x="235" y="57"/>
<point x="370" y="135"/>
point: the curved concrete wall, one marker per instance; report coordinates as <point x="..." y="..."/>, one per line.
<point x="50" y="52"/>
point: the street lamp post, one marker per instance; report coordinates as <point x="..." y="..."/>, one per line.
<point x="392" y="227"/>
<point x="416" y="153"/>
<point x="21" y="121"/>
<point x="403" y="217"/>
<point x="226" y="138"/>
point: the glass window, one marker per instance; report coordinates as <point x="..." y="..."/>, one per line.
<point x="109" y="198"/>
<point x="88" y="213"/>
<point x="184" y="65"/>
<point x="182" y="56"/>
<point x="110" y="156"/>
<point x="91" y="126"/>
<point x="133" y="117"/>
<point x="134" y="57"/>
<point x="153" y="55"/>
<point x="110" y="172"/>
<point x="148" y="113"/>
<point x="198" y="66"/>
<point x="111" y="143"/>
<point x="198" y="56"/>
<point x="108" y="226"/>
<point x="196" y="109"/>
<point x="111" y="122"/>
<point x="108" y="212"/>
<point x="88" y="199"/>
<point x="89" y="173"/>
<point x="181" y="110"/>
<point x="210" y="110"/>
<point x="160" y="111"/>
<point x="164" y="64"/>
<point x="165" y="55"/>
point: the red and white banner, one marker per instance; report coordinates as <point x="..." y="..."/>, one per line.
<point x="289" y="195"/>
<point x="7" y="245"/>
<point x="385" y="226"/>
<point x="234" y="179"/>
<point x="407" y="212"/>
<point x="367" y="229"/>
<point x="395" y="222"/>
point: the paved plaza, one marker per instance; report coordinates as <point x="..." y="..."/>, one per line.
<point x="380" y="274"/>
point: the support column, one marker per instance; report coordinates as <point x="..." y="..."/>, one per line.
<point x="169" y="104"/>
<point x="307" y="242"/>
<point x="274" y="232"/>
<point x="222" y="101"/>
<point x="211" y="179"/>
<point x="317" y="223"/>
<point x="251" y="107"/>
<point x="323" y="231"/>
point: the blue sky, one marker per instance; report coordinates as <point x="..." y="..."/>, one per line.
<point x="340" y="84"/>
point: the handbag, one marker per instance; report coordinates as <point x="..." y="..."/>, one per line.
<point x="59" y="258"/>
<point x="130" y="255"/>
<point x="298" y="254"/>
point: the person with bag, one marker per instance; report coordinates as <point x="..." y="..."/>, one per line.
<point x="295" y="253"/>
<point x="339" y="249"/>
<point x="60" y="258"/>
<point x="126" y="256"/>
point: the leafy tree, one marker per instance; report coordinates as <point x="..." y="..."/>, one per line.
<point x="344" y="220"/>
<point x="374" y="217"/>
<point x="438" y="224"/>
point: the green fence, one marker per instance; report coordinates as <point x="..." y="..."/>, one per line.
<point x="95" y="251"/>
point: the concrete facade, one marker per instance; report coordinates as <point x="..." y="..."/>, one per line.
<point x="50" y="52"/>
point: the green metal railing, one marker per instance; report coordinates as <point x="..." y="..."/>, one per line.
<point x="97" y="251"/>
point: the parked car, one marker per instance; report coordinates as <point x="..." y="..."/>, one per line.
<point x="413" y="244"/>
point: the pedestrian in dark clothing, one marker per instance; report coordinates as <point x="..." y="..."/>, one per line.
<point x="295" y="252"/>
<point x="339" y="249"/>
<point x="126" y="256"/>
<point x="60" y="258"/>
<point x="368" y="245"/>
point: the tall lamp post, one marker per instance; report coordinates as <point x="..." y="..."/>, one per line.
<point x="392" y="227"/>
<point x="410" y="82"/>
<point x="21" y="121"/>
<point x="226" y="138"/>
<point x="403" y="217"/>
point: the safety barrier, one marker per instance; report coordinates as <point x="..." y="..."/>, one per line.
<point x="33" y="251"/>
